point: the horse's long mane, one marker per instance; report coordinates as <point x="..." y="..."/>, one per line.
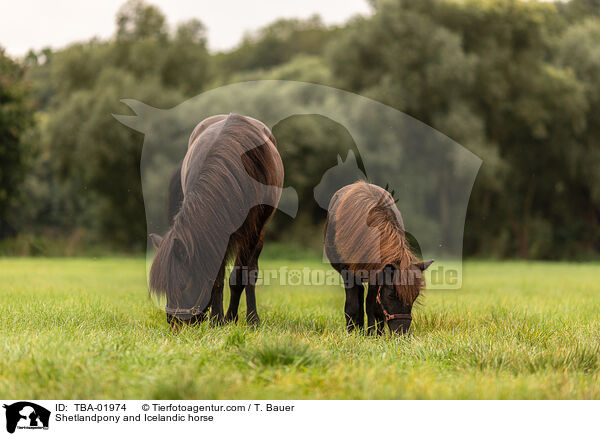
<point x="217" y="198"/>
<point x="363" y="203"/>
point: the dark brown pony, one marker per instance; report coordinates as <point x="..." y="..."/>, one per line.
<point x="365" y="242"/>
<point x="230" y="185"/>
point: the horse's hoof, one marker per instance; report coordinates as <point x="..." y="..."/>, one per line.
<point x="231" y="319"/>
<point x="253" y="321"/>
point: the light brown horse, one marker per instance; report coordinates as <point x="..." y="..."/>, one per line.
<point x="230" y="184"/>
<point x="365" y="242"/>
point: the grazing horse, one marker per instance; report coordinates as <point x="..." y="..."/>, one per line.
<point x="365" y="242"/>
<point x="223" y="194"/>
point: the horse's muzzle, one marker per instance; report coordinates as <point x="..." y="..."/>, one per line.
<point x="399" y="326"/>
<point x="179" y="321"/>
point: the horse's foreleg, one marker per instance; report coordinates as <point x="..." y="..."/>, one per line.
<point x="355" y="316"/>
<point x="216" y="303"/>
<point x="375" y="318"/>
<point x="360" y="313"/>
<point x="371" y="302"/>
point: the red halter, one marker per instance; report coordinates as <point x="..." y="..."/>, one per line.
<point x="387" y="315"/>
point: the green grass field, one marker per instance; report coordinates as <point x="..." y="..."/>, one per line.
<point x="82" y="328"/>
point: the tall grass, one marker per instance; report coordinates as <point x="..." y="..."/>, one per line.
<point x="83" y="328"/>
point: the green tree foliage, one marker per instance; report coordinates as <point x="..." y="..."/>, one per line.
<point x="484" y="73"/>
<point x="579" y="52"/>
<point x="103" y="157"/>
<point x="186" y="65"/>
<point x="533" y="110"/>
<point x="137" y="20"/>
<point x="90" y="161"/>
<point x="514" y="81"/>
<point x="15" y="118"/>
<point x="402" y="58"/>
<point x="276" y="44"/>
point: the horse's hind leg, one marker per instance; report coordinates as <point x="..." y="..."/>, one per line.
<point x="243" y="276"/>
<point x="252" y="313"/>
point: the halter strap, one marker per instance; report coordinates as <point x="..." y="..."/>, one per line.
<point x="196" y="310"/>
<point x="387" y="315"/>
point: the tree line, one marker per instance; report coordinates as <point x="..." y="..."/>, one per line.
<point x="516" y="82"/>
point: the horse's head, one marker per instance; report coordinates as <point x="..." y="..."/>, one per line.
<point x="397" y="293"/>
<point x="344" y="173"/>
<point x="173" y="275"/>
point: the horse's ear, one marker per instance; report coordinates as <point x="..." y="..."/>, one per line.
<point x="424" y="264"/>
<point x="156" y="239"/>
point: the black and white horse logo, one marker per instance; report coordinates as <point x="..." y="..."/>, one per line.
<point x="25" y="415"/>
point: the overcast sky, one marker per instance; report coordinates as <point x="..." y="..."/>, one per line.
<point x="26" y="24"/>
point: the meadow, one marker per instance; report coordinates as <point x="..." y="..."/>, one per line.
<point x="85" y="328"/>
